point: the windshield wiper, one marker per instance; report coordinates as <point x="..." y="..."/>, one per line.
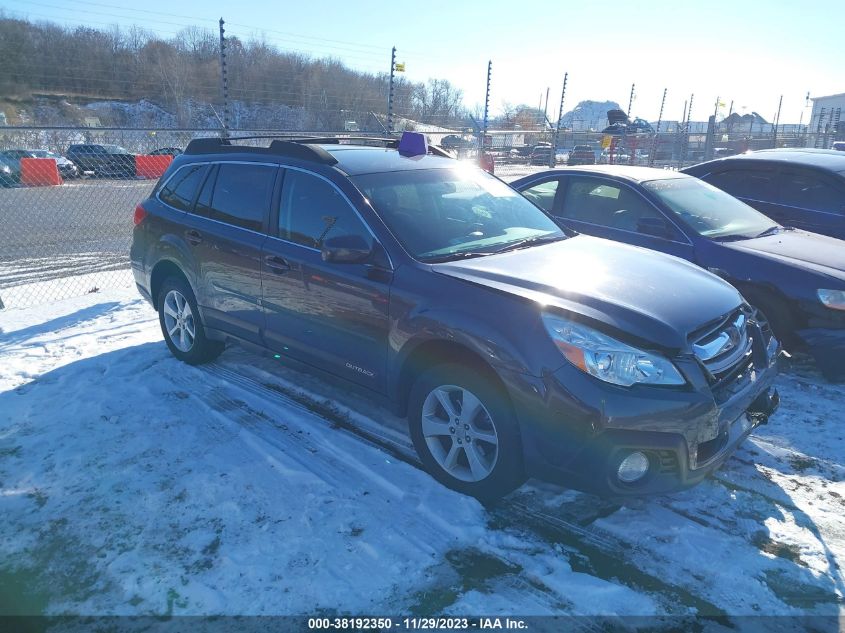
<point x="772" y="230"/>
<point x="447" y="257"/>
<point x="730" y="238"/>
<point x="531" y="241"/>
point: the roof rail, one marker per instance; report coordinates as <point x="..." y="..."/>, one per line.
<point x="304" y="148"/>
<point x="277" y="148"/>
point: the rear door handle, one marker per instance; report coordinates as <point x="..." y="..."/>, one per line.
<point x="278" y="265"/>
<point x="193" y="237"/>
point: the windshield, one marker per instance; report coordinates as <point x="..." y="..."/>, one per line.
<point x="439" y="214"/>
<point x="709" y="211"/>
<point x="115" y="149"/>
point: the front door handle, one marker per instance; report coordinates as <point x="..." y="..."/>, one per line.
<point x="278" y="265"/>
<point x="193" y="237"/>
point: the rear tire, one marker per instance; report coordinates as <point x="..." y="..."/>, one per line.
<point x="465" y="432"/>
<point x="181" y="326"/>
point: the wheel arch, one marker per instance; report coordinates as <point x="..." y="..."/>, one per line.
<point x="162" y="270"/>
<point x="433" y="352"/>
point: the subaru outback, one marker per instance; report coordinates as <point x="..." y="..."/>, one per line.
<point x="514" y="348"/>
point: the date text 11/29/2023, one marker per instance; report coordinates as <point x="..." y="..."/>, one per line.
<point x="413" y="624"/>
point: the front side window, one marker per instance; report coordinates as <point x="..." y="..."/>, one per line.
<point x="440" y="214"/>
<point x="242" y="194"/>
<point x="709" y="211"/>
<point x="607" y="204"/>
<point x="744" y="183"/>
<point x="543" y="194"/>
<point x="806" y="191"/>
<point x="311" y="210"/>
<point x="180" y="190"/>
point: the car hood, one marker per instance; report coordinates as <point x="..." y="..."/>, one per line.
<point x="810" y="251"/>
<point x="640" y="293"/>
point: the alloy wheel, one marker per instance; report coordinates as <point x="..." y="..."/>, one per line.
<point x="179" y="321"/>
<point x="460" y="433"/>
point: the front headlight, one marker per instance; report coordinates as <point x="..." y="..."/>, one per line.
<point x="608" y="359"/>
<point x="834" y="299"/>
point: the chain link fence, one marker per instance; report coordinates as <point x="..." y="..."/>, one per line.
<point x="67" y="195"/>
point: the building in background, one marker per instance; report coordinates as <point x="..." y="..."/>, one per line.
<point x="826" y="123"/>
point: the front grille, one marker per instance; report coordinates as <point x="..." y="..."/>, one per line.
<point x="724" y="347"/>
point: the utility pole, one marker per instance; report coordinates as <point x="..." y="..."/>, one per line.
<point x="630" y="101"/>
<point x="553" y="155"/>
<point x="390" y="91"/>
<point x="224" y="81"/>
<point x="486" y="110"/>
<point x="657" y="131"/>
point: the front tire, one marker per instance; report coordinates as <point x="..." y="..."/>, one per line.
<point x="181" y="326"/>
<point x="465" y="432"/>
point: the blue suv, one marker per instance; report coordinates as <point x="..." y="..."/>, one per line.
<point x="514" y="348"/>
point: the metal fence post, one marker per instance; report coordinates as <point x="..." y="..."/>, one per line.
<point x="686" y="133"/>
<point x="390" y="91"/>
<point x="224" y="82"/>
<point x="486" y="110"/>
<point x="553" y="156"/>
<point x="657" y="131"/>
<point x="775" y="126"/>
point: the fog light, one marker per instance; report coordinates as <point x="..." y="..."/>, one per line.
<point x="633" y="468"/>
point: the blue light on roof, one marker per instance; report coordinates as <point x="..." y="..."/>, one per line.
<point x="413" y="144"/>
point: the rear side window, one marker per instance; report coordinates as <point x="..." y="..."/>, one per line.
<point x="807" y="191"/>
<point x="311" y="210"/>
<point x="744" y="183"/>
<point x="241" y="194"/>
<point x="179" y="191"/>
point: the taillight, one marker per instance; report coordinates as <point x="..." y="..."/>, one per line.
<point x="140" y="214"/>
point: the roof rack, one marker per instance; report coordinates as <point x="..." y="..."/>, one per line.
<point x="305" y="148"/>
<point x="277" y="148"/>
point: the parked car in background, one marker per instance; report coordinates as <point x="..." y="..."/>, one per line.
<point x="455" y="143"/>
<point x="67" y="169"/>
<point x="515" y="349"/>
<point x="166" y="151"/>
<point x="618" y="156"/>
<point x="804" y="188"/>
<point x="795" y="278"/>
<point x="541" y="155"/>
<point x="9" y="174"/>
<point x="11" y="159"/>
<point x="581" y="155"/>
<point x="103" y="160"/>
<point x="839" y="146"/>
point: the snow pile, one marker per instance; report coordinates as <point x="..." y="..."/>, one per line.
<point x="131" y="483"/>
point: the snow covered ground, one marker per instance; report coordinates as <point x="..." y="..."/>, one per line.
<point x="133" y="484"/>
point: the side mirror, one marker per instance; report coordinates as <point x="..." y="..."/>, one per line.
<point x="656" y="227"/>
<point x="346" y="249"/>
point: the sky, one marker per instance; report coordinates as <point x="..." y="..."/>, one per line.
<point x="749" y="52"/>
